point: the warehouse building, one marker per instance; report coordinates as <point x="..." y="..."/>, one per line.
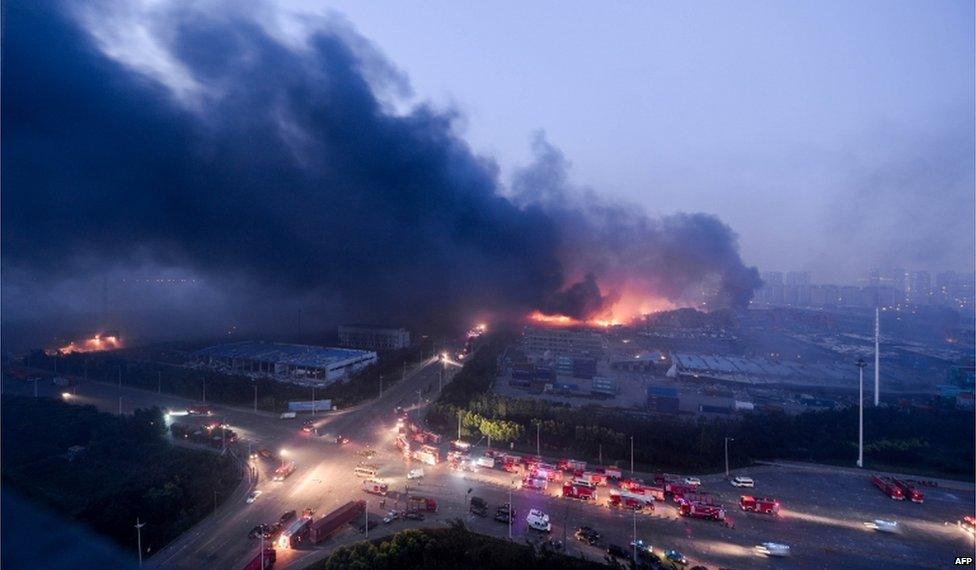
<point x="368" y="337"/>
<point x="312" y="365"/>
<point x="564" y="342"/>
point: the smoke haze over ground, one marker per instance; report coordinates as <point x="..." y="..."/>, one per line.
<point x="280" y="177"/>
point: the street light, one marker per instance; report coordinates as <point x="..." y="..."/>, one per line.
<point x="510" y="509"/>
<point x="65" y="395"/>
<point x="139" y="526"/>
<point x="727" y="440"/>
<point x="631" y="456"/>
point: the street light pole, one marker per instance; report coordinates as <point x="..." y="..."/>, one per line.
<point x="139" y="526"/>
<point x="727" y="440"/>
<point x="537" y="447"/>
<point x="120" y="405"/>
<point x="860" y="412"/>
<point x="255" y="397"/>
<point x="512" y="484"/>
<point x="635" y="537"/>
<point x="159" y="382"/>
<point x="204" y="390"/>
<point x="367" y="519"/>
<point x="381" y="386"/>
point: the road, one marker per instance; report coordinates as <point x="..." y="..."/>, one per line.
<point x="822" y="518"/>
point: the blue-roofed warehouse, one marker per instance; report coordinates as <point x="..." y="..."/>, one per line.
<point x="301" y="363"/>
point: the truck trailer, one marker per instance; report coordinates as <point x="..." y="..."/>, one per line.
<point x="581" y="492"/>
<point x="699" y="510"/>
<point x="887" y="486"/>
<point x="375" y="487"/>
<point x="913" y="493"/>
<point x="325" y="526"/>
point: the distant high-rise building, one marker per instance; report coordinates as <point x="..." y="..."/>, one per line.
<point x="918" y="287"/>
<point x="798" y="278"/>
<point x="773" y="277"/>
<point x="373" y="338"/>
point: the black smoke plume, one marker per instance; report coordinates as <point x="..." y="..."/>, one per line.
<point x="288" y="180"/>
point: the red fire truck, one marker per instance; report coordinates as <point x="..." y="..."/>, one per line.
<point x="536" y="484"/>
<point x="656" y="493"/>
<point x="543" y="473"/>
<point x="593" y="477"/>
<point x="627" y="500"/>
<point x="427" y="454"/>
<point x="283" y="471"/>
<point x="582" y="492"/>
<point x="511" y="463"/>
<point x="375" y="487"/>
<point x="422" y="504"/>
<point x="887" y="486"/>
<point x="570" y="465"/>
<point x="911" y="491"/>
<point x="698" y="510"/>
<point x="761" y="505"/>
<point x="609" y="472"/>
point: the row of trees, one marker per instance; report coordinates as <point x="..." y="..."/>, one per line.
<point x="200" y="383"/>
<point x="127" y="470"/>
<point x="937" y="438"/>
<point x="450" y="548"/>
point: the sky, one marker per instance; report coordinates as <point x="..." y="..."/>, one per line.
<point x="432" y="163"/>
<point x="832" y="136"/>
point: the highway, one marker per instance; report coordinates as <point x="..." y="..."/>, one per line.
<point x="822" y="518"/>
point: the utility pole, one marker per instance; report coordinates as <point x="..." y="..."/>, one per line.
<point x="367" y="519"/>
<point x="120" y="405"/>
<point x="537" y="447"/>
<point x="139" y="526"/>
<point x="727" y="440"/>
<point x="860" y="412"/>
<point x="313" y="400"/>
<point x="120" y="377"/>
<point x="877" y="356"/>
<point x="635" y="537"/>
<point x="204" y="390"/>
<point x="381" y="386"/>
<point x="404" y="370"/>
<point x="631" y="456"/>
<point x="459" y="426"/>
<point x="255" y="397"/>
<point x="35" y="386"/>
<point x="510" y="486"/>
<point x="159" y="382"/>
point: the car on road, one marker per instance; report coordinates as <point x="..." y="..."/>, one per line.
<point x="308" y="426"/>
<point x="478" y="506"/>
<point x="259" y="530"/>
<point x="641" y="546"/>
<point x="676" y="557"/>
<point x="882" y="525"/>
<point x="252" y="496"/>
<point x="415" y="474"/>
<point x="341" y="440"/>
<point x="391" y="516"/>
<point x="287" y="517"/>
<point x="743" y="482"/>
<point x="538" y="520"/>
<point x="587" y="534"/>
<point x="414" y="516"/>
<point x="505" y="514"/>
<point x="693" y="481"/>
<point x="773" y="549"/>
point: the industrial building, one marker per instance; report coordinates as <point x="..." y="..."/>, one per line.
<point x="312" y="365"/>
<point x="369" y="337"/>
<point x="564" y="342"/>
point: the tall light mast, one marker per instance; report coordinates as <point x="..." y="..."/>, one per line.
<point x="860" y="414"/>
<point x="877" y="356"/>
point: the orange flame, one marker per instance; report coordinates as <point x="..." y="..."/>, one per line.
<point x="96" y="343"/>
<point x="628" y="307"/>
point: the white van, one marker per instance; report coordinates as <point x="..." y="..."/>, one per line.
<point x="488" y="462"/>
<point x="365" y="471"/>
<point x="743" y="482"/>
<point x="773" y="549"/>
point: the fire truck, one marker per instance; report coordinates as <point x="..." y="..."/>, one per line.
<point x="583" y="492"/>
<point x="761" y="505"/>
<point x="678" y="490"/>
<point x="511" y="463"/>
<point x="609" y="472"/>
<point x="427" y="454"/>
<point x="283" y="471"/>
<point x="910" y="491"/>
<point x="375" y="487"/>
<point x="544" y="473"/>
<point x="593" y="477"/>
<point x="570" y="465"/>
<point x="699" y="510"/>
<point x="631" y="501"/>
<point x="887" y="486"/>
<point x="421" y="504"/>
<point x="656" y="493"/>
<point x="535" y="483"/>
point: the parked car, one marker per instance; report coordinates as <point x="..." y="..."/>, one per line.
<point x="641" y="545"/>
<point x="415" y="474"/>
<point x="252" y="496"/>
<point x="743" y="482"/>
<point x="414" y="516"/>
<point x="773" y="549"/>
<point x="504" y="514"/>
<point x="587" y="535"/>
<point x="391" y="516"/>
<point x="694" y="481"/>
